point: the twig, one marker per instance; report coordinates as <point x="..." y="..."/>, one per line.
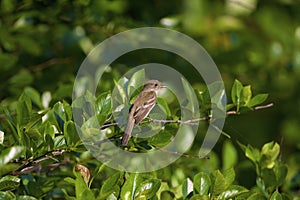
<point x="234" y="112"/>
<point x="33" y="164"/>
<point x="182" y="154"/>
<point x="190" y="121"/>
<point x="263" y="106"/>
<point x="108" y="125"/>
<point x="48" y="63"/>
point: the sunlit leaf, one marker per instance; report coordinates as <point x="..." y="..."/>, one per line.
<point x="219" y="184"/>
<point x="246" y="95"/>
<point x="236" y="93"/>
<point x="9" y="183"/>
<point x="187" y="187"/>
<point x="276" y="196"/>
<point x="147" y="189"/>
<point x="9" y="154"/>
<point x="34" y="96"/>
<point x="232" y="191"/>
<point x="258" y="99"/>
<point x="109" y="185"/>
<point x="137" y="80"/>
<point x="24" y="108"/>
<point x="202" y="183"/>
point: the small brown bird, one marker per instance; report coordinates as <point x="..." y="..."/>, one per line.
<point x="141" y="107"/>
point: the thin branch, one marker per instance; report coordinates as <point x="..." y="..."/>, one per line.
<point x="190" y="121"/>
<point x="34" y="164"/>
<point x="48" y="63"/>
<point x="234" y="112"/>
<point x="108" y="125"/>
<point x="182" y="154"/>
<point x="264" y="106"/>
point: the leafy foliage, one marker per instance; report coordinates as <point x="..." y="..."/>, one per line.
<point x="45" y="138"/>
<point x="42" y="44"/>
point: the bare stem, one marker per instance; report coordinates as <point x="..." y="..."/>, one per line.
<point x="190" y="121"/>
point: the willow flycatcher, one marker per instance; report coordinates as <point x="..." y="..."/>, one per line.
<point x="141" y="107"/>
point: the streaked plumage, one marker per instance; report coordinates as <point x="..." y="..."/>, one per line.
<point x="141" y="106"/>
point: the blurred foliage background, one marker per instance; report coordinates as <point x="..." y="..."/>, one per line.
<point x="43" y="42"/>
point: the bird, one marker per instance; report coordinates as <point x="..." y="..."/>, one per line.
<point x="141" y="107"/>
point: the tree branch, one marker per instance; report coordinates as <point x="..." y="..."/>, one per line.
<point x="34" y="164"/>
<point x="190" y="121"/>
<point x="48" y="63"/>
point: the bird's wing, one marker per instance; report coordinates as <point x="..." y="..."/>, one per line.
<point x="143" y="109"/>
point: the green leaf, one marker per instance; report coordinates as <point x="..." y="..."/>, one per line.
<point x="269" y="154"/>
<point x="204" y="101"/>
<point x="130" y="186"/>
<point x="103" y="103"/>
<point x="246" y="95"/>
<point x="24" y="109"/>
<point x="164" y="106"/>
<point x="200" y="197"/>
<point x="187" y="188"/>
<point x="219" y="183"/>
<point x="9" y="183"/>
<point x="20" y="80"/>
<point x="202" y="183"/>
<point x="276" y="196"/>
<point x="59" y="142"/>
<point x="167" y="195"/>
<point x="119" y="94"/>
<point x="59" y="114"/>
<point x="103" y="107"/>
<point x="280" y="173"/>
<point x="147" y="189"/>
<point x="229" y="175"/>
<point x="137" y="80"/>
<point x="81" y="189"/>
<point x="161" y="139"/>
<point x="8" y="168"/>
<point x="253" y="154"/>
<point x="9" y="154"/>
<point x="26" y="197"/>
<point x="1" y="137"/>
<point x="49" y="129"/>
<point x="229" y="156"/>
<point x="87" y="194"/>
<point x="9" y="59"/>
<point x="232" y="191"/>
<point x="64" y="91"/>
<point x="34" y="96"/>
<point x="269" y="179"/>
<point x="236" y="93"/>
<point x="68" y="110"/>
<point x="256" y="196"/>
<point x="29" y="44"/>
<point x="109" y="185"/>
<point x="70" y="180"/>
<point x="8" y="195"/>
<point x="258" y="99"/>
<point x="70" y="133"/>
<point x="191" y="100"/>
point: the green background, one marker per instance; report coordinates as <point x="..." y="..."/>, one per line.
<point x="42" y="44"/>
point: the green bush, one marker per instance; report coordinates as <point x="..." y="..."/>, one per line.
<point x="42" y="156"/>
<point x="43" y="43"/>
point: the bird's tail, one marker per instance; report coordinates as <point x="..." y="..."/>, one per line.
<point x="127" y="133"/>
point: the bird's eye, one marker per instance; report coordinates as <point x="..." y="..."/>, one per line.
<point x="155" y="85"/>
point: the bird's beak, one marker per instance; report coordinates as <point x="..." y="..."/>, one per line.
<point x="163" y="86"/>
